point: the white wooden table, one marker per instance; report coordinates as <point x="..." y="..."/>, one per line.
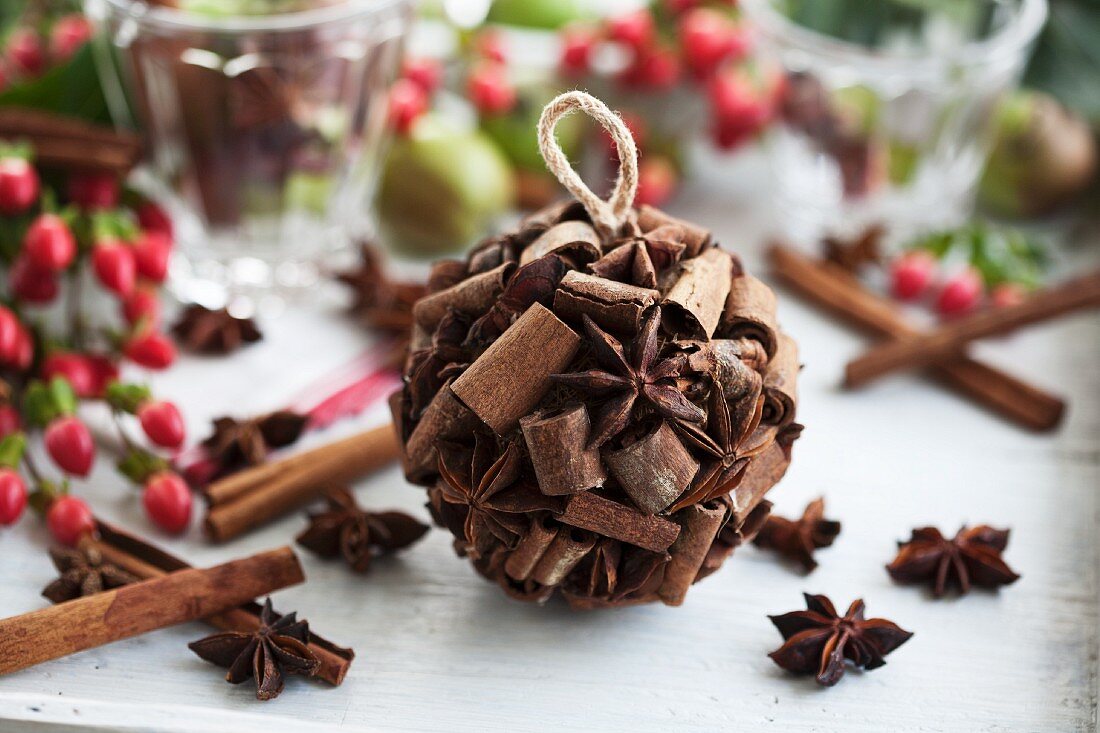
<point x="438" y="648"/>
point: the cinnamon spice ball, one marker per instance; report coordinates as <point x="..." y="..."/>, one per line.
<point x="598" y="415"/>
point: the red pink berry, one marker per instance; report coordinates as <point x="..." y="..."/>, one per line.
<point x="1007" y="294"/>
<point x="655" y="68"/>
<point x="426" y="73"/>
<point x="490" y="90"/>
<point x="75" y="369"/>
<point x="33" y="284"/>
<point x="407" y="102"/>
<point x="151" y="350"/>
<point x="577" y="45"/>
<point x="114" y="266"/>
<point x="94" y="191"/>
<point x="490" y="46"/>
<point x="708" y="38"/>
<point x="960" y="294"/>
<point x="911" y="274"/>
<point x="9" y="334"/>
<point x="49" y="244"/>
<point x="68" y="34"/>
<point x="635" y="29"/>
<point x="104" y="370"/>
<point x="142" y="306"/>
<point x="19" y="186"/>
<point x="152" y="251"/>
<point x="657" y="180"/>
<point x="10" y="421"/>
<point x="13" y="496"/>
<point x="152" y="218"/>
<point x="68" y="519"/>
<point x="167" y="501"/>
<point x="162" y="423"/>
<point x="25" y="52"/>
<point x="70" y="445"/>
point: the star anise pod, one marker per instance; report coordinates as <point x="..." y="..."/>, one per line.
<point x="819" y="640"/>
<point x="796" y="539"/>
<point x="83" y="573"/>
<point x="971" y="557"/>
<point x="639" y="376"/>
<point x="381" y="302"/>
<point x="346" y="529"/>
<point x="235" y="444"/>
<point x="855" y="253"/>
<point x="276" y="649"/>
<point x="208" y="331"/>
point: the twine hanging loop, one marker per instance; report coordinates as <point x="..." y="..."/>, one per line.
<point x="610" y="216"/>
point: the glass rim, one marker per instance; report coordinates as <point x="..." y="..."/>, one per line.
<point x="1012" y="39"/>
<point x="171" y="18"/>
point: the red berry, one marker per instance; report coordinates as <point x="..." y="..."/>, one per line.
<point x="163" y="423"/>
<point x="24" y="350"/>
<point x="69" y="519"/>
<point x="739" y="111"/>
<point x="577" y="44"/>
<point x="911" y="274"/>
<point x="75" y="368"/>
<point x="19" y="186"/>
<point x="490" y="90"/>
<point x="68" y="34"/>
<point x="142" y="306"/>
<point x="426" y="73"/>
<point x="1007" y="294"/>
<point x="960" y="293"/>
<point x="680" y="6"/>
<point x="151" y="253"/>
<point x="408" y="101"/>
<point x="25" y="52"/>
<point x="9" y="334"/>
<point x="33" y="284"/>
<point x="70" y="445"/>
<point x="49" y="244"/>
<point x="636" y="29"/>
<point x="652" y="69"/>
<point x="104" y="370"/>
<point x="10" y="421"/>
<point x="657" y="180"/>
<point x="490" y="45"/>
<point x="93" y="191"/>
<point x="13" y="496"/>
<point x="114" y="266"/>
<point x="151" y="350"/>
<point x="707" y="38"/>
<point x="152" y="218"/>
<point x="167" y="501"/>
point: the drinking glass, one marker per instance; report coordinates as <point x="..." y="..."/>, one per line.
<point x="265" y="132"/>
<point x="887" y="105"/>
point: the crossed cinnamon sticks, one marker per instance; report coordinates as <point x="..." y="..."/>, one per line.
<point x="840" y="292"/>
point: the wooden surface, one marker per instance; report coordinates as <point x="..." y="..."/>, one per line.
<point x="439" y="648"/>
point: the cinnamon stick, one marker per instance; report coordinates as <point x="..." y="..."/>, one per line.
<point x="609" y="518"/>
<point x="842" y="294"/>
<point x="929" y="348"/>
<point x="255" y="496"/>
<point x="69" y="143"/>
<point x="696" y="301"/>
<point x="750" y="313"/>
<point x="611" y="304"/>
<point x="558" y="444"/>
<point x="576" y="239"/>
<point x="185" y="595"/>
<point x="144" y="561"/>
<point x="653" y="471"/>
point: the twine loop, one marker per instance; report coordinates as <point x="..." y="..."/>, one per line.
<point x="611" y="216"/>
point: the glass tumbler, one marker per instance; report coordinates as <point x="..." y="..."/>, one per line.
<point x="887" y="106"/>
<point x="264" y="132"/>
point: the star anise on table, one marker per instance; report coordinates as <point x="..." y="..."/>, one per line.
<point x="796" y="539"/>
<point x="485" y="485"/>
<point x="853" y="254"/>
<point x="819" y="641"/>
<point x="235" y="444"/>
<point x="208" y="331"/>
<point x="637" y="260"/>
<point x="84" y="572"/>
<point x="971" y="557"/>
<point x="358" y="535"/>
<point x="630" y="378"/>
<point x="381" y="302"/>
<point x="276" y="649"/>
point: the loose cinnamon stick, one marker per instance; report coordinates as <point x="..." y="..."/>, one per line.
<point x="842" y="294"/>
<point x="143" y="560"/>
<point x="69" y="143"/>
<point x="251" y="498"/>
<point x="185" y="595"/>
<point x="942" y="343"/>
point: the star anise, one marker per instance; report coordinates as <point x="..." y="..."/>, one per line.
<point x="358" y="535"/>
<point x="235" y="444"/>
<point x="796" y="539"/>
<point x="83" y="573"/>
<point x="640" y="375"/>
<point x="208" y="331"/>
<point x="971" y="557"/>
<point x="486" y="484"/>
<point x="853" y="254"/>
<point x="819" y="640"/>
<point x="276" y="649"/>
<point x="381" y="302"/>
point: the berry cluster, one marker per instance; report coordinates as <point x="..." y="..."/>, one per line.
<point x="55" y="240"/>
<point x="34" y="48"/>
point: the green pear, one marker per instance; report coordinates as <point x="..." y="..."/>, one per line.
<point x="442" y="188"/>
<point x="549" y="14"/>
<point x="517" y="132"/>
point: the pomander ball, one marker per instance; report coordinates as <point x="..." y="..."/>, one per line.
<point x="598" y="402"/>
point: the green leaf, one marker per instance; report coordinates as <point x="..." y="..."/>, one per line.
<point x="70" y="89"/>
<point x="38" y="405"/>
<point x="138" y="465"/>
<point x="63" y="396"/>
<point x="1066" y="62"/>
<point x="11" y="449"/>
<point x="127" y="397"/>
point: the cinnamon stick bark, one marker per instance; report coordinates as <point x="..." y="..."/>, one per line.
<point x="558" y="445"/>
<point x="576" y="239"/>
<point x="609" y="518"/>
<point x="750" y="313"/>
<point x="942" y="343"/>
<point x="145" y="561"/>
<point x="842" y="294"/>
<point x="186" y="595"/>
<point x="69" y="143"/>
<point x="255" y="496"/>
